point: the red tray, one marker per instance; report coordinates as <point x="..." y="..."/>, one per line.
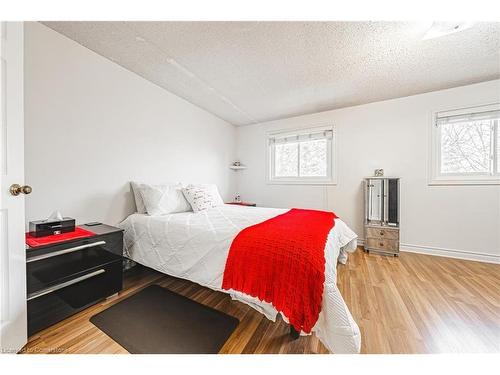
<point x="56" y="238"/>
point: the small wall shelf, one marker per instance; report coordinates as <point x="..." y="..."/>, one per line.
<point x="237" y="167"/>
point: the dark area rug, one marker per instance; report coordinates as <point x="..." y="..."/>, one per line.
<point x="156" y="320"/>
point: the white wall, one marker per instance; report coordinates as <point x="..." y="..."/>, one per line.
<point x="393" y="135"/>
<point x="91" y="126"/>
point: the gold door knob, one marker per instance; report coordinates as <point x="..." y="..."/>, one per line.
<point x="16" y="189"/>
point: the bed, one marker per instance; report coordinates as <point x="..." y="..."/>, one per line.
<point x="195" y="246"/>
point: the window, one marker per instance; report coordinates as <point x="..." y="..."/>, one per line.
<point x="466" y="146"/>
<point x="301" y="157"/>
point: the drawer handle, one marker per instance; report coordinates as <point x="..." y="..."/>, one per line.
<point x="52" y="289"/>
<point x="65" y="251"/>
<point x="382" y="233"/>
<point x="381" y="244"/>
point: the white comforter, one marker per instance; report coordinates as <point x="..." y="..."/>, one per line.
<point x="194" y="246"/>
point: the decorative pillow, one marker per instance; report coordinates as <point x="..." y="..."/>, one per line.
<point x="163" y="199"/>
<point x="139" y="203"/>
<point x="203" y="196"/>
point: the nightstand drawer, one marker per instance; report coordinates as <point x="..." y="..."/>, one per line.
<point x="67" y="261"/>
<point x="53" y="304"/>
<point x="381" y="233"/>
<point x="383" y="244"/>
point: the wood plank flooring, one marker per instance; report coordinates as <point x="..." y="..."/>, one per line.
<point x="411" y="304"/>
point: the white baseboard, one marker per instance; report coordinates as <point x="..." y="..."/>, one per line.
<point x="449" y="253"/>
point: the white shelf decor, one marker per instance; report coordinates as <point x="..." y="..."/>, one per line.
<point x="237" y="167"/>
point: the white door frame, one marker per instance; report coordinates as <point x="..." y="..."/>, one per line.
<point x="13" y="320"/>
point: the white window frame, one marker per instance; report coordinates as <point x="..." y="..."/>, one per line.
<point x="435" y="175"/>
<point x="330" y="179"/>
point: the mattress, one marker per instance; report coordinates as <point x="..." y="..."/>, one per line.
<point x="195" y="246"/>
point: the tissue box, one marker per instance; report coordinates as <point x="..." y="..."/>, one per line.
<point x="41" y="228"/>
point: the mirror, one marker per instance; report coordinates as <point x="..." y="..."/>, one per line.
<point x="375" y="191"/>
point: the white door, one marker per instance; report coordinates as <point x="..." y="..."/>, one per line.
<point x="13" y="323"/>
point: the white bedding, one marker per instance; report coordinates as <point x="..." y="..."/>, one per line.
<point x="194" y="246"/>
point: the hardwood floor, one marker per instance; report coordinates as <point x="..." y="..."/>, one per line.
<point x="411" y="304"/>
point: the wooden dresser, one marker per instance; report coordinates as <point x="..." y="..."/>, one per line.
<point x="381" y="224"/>
<point x="67" y="277"/>
<point x="382" y="239"/>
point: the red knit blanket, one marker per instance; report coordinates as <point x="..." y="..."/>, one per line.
<point x="282" y="261"/>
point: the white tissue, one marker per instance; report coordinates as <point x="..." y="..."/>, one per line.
<point x="56" y="215"/>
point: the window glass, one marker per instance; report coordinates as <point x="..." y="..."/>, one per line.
<point x="313" y="158"/>
<point x="286" y="160"/>
<point x="466" y="147"/>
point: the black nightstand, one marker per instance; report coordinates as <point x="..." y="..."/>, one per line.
<point x="67" y="277"/>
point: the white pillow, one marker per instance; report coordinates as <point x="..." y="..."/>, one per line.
<point x="202" y="196"/>
<point x="139" y="203"/>
<point x="163" y="199"/>
<point x="215" y="194"/>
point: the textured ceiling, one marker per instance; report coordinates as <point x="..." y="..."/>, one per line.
<point x="250" y="72"/>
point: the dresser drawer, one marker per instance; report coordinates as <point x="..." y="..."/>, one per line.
<point x="382" y="244"/>
<point x="50" y="305"/>
<point x="390" y="234"/>
<point x="60" y="263"/>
